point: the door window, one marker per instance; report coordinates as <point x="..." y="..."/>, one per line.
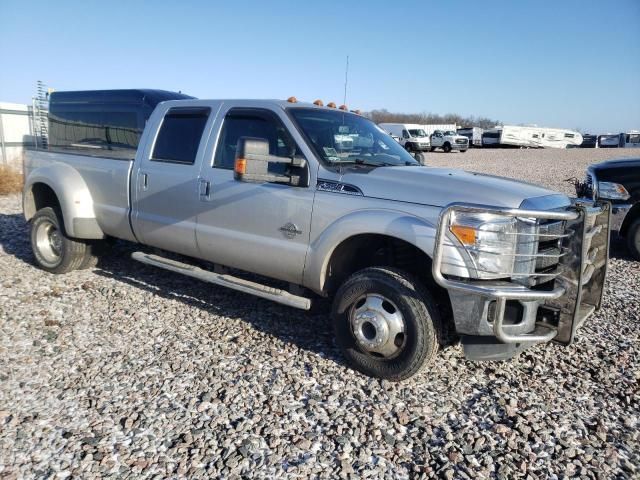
<point x="258" y="124"/>
<point x="179" y="135"/>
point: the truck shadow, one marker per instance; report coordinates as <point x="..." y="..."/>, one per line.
<point x="310" y="331"/>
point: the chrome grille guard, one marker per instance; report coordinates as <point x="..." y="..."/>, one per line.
<point x="578" y="281"/>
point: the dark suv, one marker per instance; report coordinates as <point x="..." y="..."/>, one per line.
<point x="617" y="181"/>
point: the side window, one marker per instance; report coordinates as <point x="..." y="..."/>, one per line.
<point x="405" y="134"/>
<point x="253" y="123"/>
<point x="180" y="135"/>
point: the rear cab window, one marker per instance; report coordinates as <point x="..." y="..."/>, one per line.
<point x="180" y="134"/>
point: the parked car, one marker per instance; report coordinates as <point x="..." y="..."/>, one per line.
<point x="449" y="140"/>
<point x="409" y="255"/>
<point x="617" y="181"/>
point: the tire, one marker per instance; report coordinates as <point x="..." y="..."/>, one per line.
<point x="433" y="149"/>
<point x="420" y="158"/>
<point x="53" y="250"/>
<point x="392" y="291"/>
<point x="633" y="239"/>
<point x="94" y="251"/>
<point x="446" y="147"/>
<point x="462" y="151"/>
<point x="408" y="147"/>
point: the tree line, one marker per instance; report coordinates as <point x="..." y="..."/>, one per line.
<point x="384" y="116"/>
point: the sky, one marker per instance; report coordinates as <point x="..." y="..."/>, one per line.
<point x="569" y="64"/>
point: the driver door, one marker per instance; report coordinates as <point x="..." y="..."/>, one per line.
<point x="262" y="228"/>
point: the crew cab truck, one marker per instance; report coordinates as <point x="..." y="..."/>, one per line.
<point x="409" y="255"/>
<point x="448" y="141"/>
<point x="618" y="182"/>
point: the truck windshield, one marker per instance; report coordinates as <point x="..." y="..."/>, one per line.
<point x="341" y="137"/>
<point x="449" y="132"/>
<point x="417" y="133"/>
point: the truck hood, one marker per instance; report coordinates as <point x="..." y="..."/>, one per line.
<point x="442" y="186"/>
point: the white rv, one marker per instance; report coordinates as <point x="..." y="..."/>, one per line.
<point x="474" y="134"/>
<point x="539" y="137"/>
<point x="411" y="135"/>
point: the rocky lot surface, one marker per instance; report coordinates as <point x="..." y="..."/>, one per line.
<point x="125" y="371"/>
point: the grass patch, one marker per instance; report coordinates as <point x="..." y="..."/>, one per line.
<point x="11" y="180"/>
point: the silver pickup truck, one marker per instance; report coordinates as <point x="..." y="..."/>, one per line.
<point x="411" y="256"/>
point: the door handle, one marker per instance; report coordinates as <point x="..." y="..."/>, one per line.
<point x="145" y="181"/>
<point x="204" y="189"/>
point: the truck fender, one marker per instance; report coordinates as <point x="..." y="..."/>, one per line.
<point x="73" y="196"/>
<point x="414" y="230"/>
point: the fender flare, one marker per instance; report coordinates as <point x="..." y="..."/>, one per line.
<point x="74" y="197"/>
<point x="392" y="223"/>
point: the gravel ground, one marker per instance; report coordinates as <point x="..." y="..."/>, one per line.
<point x="128" y="372"/>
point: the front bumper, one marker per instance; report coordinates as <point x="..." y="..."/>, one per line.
<point x="459" y="146"/>
<point x="497" y="319"/>
<point x="419" y="147"/>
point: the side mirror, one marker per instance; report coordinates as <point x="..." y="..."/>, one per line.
<point x="253" y="159"/>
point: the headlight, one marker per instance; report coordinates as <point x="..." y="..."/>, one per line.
<point x="492" y="243"/>
<point x="612" y="191"/>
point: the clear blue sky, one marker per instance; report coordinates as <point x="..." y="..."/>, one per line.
<point x="573" y="64"/>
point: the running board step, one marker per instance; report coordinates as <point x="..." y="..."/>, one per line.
<point x="224" y="280"/>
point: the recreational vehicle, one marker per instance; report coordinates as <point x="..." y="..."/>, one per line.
<point x="538" y="137"/>
<point x="474" y="134"/>
<point x="491" y="138"/>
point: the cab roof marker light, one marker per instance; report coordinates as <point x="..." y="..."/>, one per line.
<point x="292" y="100"/>
<point x="343" y="107"/>
<point x="331" y="105"/>
<point x="318" y="103"/>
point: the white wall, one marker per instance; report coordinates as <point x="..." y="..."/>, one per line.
<point x="16" y="132"/>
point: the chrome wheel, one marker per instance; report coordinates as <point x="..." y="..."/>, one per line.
<point x="378" y="326"/>
<point x="49" y="242"/>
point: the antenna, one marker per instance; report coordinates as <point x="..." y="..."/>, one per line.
<point x="346" y="80"/>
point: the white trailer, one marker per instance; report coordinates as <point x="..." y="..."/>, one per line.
<point x="474" y="134"/>
<point x="539" y="137"/>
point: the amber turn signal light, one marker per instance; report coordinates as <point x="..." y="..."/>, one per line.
<point x="466" y="235"/>
<point x="240" y="166"/>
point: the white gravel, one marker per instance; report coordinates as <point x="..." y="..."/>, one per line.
<point x="128" y="372"/>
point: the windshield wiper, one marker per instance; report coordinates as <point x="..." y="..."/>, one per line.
<point x="363" y="161"/>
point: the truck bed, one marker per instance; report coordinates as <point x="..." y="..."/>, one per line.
<point x="107" y="179"/>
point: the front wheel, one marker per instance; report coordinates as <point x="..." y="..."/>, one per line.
<point x="446" y="147"/>
<point x="633" y="239"/>
<point x="421" y="158"/>
<point x="386" y="324"/>
<point x="53" y="250"/>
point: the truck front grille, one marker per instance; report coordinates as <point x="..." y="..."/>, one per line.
<point x="461" y="141"/>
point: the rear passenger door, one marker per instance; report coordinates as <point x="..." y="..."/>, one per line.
<point x="165" y="181"/>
